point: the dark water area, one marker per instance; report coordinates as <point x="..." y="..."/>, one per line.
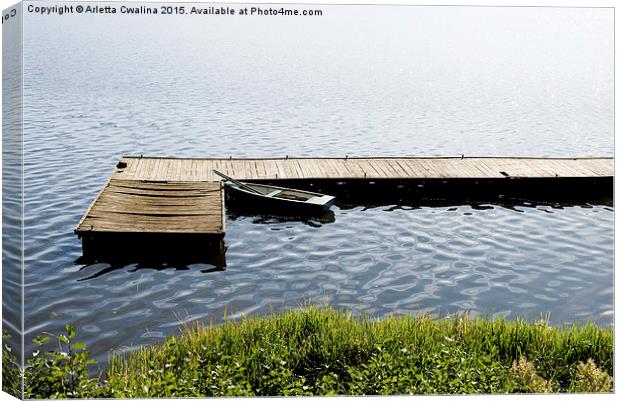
<point x="365" y="82"/>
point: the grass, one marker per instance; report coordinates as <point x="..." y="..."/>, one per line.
<point x="321" y="351"/>
<point x="11" y="379"/>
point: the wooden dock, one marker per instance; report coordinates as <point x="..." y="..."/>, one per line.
<point x="174" y="207"/>
<point x="154" y="195"/>
<point x="166" y="169"/>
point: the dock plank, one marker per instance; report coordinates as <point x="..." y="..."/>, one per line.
<point x="162" y="169"/>
<point x="162" y="207"/>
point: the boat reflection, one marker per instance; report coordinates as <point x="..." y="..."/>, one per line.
<point x="313" y="220"/>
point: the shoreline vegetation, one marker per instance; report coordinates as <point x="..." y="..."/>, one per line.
<point x="322" y="351"/>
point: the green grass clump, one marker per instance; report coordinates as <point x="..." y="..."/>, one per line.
<point x="321" y="351"/>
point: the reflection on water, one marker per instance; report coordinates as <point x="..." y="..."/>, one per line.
<point x="168" y="257"/>
<point x="313" y="220"/>
<point x="137" y="265"/>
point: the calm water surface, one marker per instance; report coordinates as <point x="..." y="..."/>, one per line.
<point x="358" y="81"/>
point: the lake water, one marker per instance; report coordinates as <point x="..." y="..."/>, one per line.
<point x="362" y="81"/>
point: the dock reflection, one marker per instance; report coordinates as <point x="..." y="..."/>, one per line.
<point x="156" y="252"/>
<point x="564" y="191"/>
<point x="479" y="204"/>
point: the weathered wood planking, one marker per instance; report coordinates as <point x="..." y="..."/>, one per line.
<point x="191" y="170"/>
<point x="132" y="206"/>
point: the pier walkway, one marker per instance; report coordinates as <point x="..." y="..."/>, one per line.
<point x="165" y="169"/>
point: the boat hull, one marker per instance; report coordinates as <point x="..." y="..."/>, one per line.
<point x="244" y="200"/>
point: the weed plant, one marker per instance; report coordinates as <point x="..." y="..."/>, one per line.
<point x="321" y="351"/>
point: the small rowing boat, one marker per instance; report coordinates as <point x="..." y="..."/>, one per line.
<point x="276" y="199"/>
